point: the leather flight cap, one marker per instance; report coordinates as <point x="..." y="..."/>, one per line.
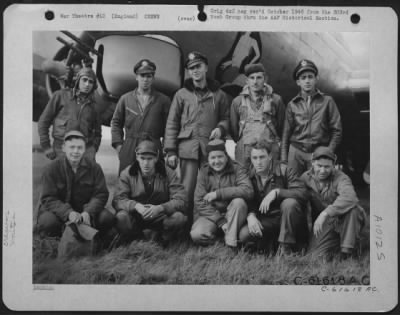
<point x="194" y="58"/>
<point x="74" y="133"/>
<point x="86" y="72"/>
<point x="215" y="145"/>
<point x="253" y="68"/>
<point x="144" y="66"/>
<point x="304" y="65"/>
<point x="323" y="152"/>
<point x="147" y="147"/>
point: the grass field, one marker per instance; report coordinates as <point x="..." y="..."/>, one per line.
<point x="145" y="262"/>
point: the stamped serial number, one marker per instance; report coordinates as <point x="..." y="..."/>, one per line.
<point x="334" y="280"/>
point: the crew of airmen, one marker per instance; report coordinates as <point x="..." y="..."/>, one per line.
<point x="282" y="193"/>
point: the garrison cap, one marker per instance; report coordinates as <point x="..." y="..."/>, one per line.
<point x="215" y="145"/>
<point x="304" y="65"/>
<point x="253" y="68"/>
<point x="147" y="147"/>
<point x="144" y="66"/>
<point x="323" y="152"/>
<point x="194" y="58"/>
<point x="74" y="133"/>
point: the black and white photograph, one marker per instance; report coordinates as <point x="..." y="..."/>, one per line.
<point x="313" y="92"/>
<point x="177" y="159"/>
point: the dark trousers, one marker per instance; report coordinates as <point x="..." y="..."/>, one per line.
<point x="287" y="225"/>
<point x="298" y="160"/>
<point x="131" y="225"/>
<point x="50" y="225"/>
<point x="189" y="169"/>
<point x="339" y="233"/>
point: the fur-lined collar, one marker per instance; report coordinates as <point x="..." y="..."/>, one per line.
<point x="268" y="90"/>
<point x="212" y="85"/>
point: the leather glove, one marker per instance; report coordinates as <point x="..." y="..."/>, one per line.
<point x="172" y="161"/>
<point x="50" y="154"/>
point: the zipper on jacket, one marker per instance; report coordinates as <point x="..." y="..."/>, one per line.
<point x="308" y="104"/>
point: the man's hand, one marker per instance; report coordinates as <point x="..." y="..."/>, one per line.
<point x="224" y="227"/>
<point x="319" y="223"/>
<point x="172" y="161"/>
<point x="216" y="133"/>
<point x="118" y="148"/>
<point x="155" y="211"/>
<point x="85" y="218"/>
<point x="50" y="154"/>
<point x="255" y="226"/>
<point x="74" y="217"/>
<point x="272" y="195"/>
<point x="226" y="64"/>
<point x="144" y="210"/>
<point x="211" y="196"/>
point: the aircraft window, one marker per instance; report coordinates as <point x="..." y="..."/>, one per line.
<point x="121" y="53"/>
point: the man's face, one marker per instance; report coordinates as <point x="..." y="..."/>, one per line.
<point x="323" y="168"/>
<point x="307" y="81"/>
<point x="145" y="80"/>
<point x="217" y="160"/>
<point x="256" y="81"/>
<point x="74" y="149"/>
<point x="147" y="163"/>
<point x="260" y="160"/>
<point x="198" y="71"/>
<point x="86" y="84"/>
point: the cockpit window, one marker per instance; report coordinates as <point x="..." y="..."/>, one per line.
<point x="121" y="53"/>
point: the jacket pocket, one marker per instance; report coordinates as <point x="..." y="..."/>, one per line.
<point x="130" y="116"/>
<point x="205" y="131"/>
<point x="185" y="134"/>
<point x="59" y="127"/>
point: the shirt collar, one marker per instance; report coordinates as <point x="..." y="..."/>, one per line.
<point x="137" y="92"/>
<point x="83" y="163"/>
<point x="76" y="93"/>
<point x="268" y="90"/>
<point x="300" y="95"/>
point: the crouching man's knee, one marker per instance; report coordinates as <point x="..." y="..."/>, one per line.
<point x="244" y="234"/>
<point x="49" y="224"/>
<point x="197" y="236"/>
<point x="290" y="206"/>
<point x="203" y="232"/>
<point x="238" y="205"/>
<point x="123" y="222"/>
<point x="105" y="220"/>
<point x="175" y="221"/>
